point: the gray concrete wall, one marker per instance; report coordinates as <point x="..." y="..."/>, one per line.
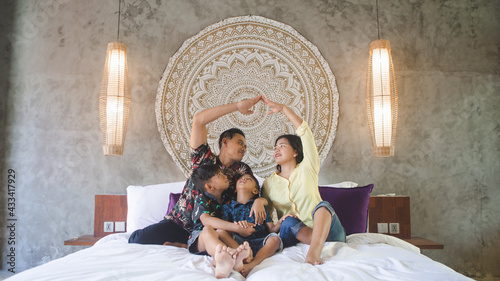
<point x="446" y="54"/>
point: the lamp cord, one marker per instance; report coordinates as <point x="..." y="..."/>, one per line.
<point x="378" y="23"/>
<point x="119" y="13"/>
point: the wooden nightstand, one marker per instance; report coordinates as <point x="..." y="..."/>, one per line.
<point x="108" y="208"/>
<point x="391" y="215"/>
<point x="424" y="243"/>
<point x="85" y="240"/>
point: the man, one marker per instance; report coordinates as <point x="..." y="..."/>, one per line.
<point x="178" y="224"/>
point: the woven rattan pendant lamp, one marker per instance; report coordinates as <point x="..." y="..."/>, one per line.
<point x="114" y="101"/>
<point x="381" y="97"/>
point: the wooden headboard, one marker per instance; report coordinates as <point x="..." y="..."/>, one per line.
<point x="113" y="209"/>
<point x="109" y="208"/>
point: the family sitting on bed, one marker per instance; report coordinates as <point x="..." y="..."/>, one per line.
<point x="292" y="190"/>
<point x="217" y="238"/>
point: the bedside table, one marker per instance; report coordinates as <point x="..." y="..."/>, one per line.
<point x="110" y="211"/>
<point x="85" y="240"/>
<point x="391" y="215"/>
<point x="424" y="243"/>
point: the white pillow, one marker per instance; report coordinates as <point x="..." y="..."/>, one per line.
<point x="148" y="204"/>
<point x="345" y="184"/>
<point x="259" y="179"/>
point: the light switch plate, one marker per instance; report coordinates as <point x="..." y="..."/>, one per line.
<point x="120" y="226"/>
<point x="382" y="228"/>
<point x="108" y="226"/>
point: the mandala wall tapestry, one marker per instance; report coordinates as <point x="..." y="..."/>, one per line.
<point x="240" y="58"/>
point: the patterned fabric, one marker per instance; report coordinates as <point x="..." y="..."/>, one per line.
<point x="234" y="211"/>
<point x="240" y="58"/>
<point x="182" y="211"/>
<point x="206" y="203"/>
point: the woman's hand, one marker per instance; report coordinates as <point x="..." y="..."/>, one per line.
<point x="258" y="210"/>
<point x="275" y="107"/>
<point x="286" y="216"/>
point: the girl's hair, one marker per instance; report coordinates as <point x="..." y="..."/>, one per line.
<point x="203" y="174"/>
<point x="296" y="144"/>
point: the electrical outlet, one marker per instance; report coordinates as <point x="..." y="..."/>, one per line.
<point x="108" y="226"/>
<point x="382" y="228"/>
<point x="394" y="228"/>
<point x="120" y="226"/>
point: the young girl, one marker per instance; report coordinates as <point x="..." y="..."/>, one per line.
<point x="293" y="189"/>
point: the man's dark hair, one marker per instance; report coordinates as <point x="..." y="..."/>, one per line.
<point x="296" y="144"/>
<point x="229" y="134"/>
<point x="203" y="174"/>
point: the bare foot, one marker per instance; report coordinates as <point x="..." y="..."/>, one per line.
<point x="175" y="244"/>
<point x="224" y="262"/>
<point x="249" y="259"/>
<point x="247" y="268"/>
<point x="314" y="256"/>
<point x="243" y="251"/>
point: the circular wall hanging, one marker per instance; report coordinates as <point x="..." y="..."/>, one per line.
<point x="240" y="58"/>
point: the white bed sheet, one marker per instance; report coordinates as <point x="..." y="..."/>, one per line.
<point x="365" y="256"/>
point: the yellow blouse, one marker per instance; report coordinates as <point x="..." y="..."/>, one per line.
<point x="298" y="195"/>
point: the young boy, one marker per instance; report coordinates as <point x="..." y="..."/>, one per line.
<point x="264" y="241"/>
<point x="207" y="211"/>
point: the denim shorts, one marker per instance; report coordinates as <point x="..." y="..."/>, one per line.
<point x="192" y="241"/>
<point x="257" y="243"/>
<point x="291" y="226"/>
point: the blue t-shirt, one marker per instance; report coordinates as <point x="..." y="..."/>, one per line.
<point x="234" y="211"/>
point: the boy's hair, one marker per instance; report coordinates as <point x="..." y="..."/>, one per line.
<point x="203" y="174"/>
<point x="257" y="185"/>
<point x="229" y="134"/>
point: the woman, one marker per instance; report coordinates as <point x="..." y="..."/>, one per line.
<point x="293" y="189"/>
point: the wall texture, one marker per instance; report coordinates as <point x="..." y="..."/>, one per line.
<point x="446" y="54"/>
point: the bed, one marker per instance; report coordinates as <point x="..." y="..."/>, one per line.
<point x="364" y="256"/>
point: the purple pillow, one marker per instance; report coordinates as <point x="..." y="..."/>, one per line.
<point x="174" y="197"/>
<point x="350" y="204"/>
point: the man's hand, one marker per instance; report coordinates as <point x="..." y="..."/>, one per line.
<point x="245" y="105"/>
<point x="258" y="210"/>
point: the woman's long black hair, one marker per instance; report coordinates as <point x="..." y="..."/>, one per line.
<point x="296" y="144"/>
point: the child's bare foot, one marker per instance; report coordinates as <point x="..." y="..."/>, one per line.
<point x="314" y="256"/>
<point x="249" y="259"/>
<point x="242" y="252"/>
<point x="247" y="268"/>
<point x="224" y="262"/>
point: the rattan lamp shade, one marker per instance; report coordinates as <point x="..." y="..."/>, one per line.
<point x="114" y="103"/>
<point x="381" y="98"/>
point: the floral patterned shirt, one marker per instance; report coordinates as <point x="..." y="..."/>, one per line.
<point x="182" y="211"/>
<point x="206" y="203"/>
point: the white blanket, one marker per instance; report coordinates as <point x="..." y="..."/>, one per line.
<point x="364" y="257"/>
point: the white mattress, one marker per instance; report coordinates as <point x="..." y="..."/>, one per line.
<point x="365" y="256"/>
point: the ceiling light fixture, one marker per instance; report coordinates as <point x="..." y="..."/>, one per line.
<point x="381" y="97"/>
<point x="114" y="101"/>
